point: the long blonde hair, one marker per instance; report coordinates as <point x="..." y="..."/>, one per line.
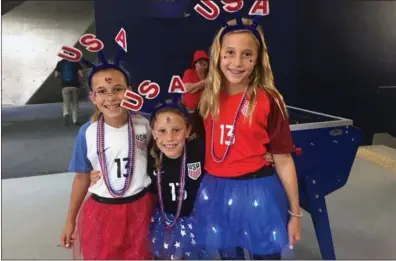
<point x="262" y="77"/>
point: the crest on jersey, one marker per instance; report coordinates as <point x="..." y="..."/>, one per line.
<point x="194" y="170"/>
<point x="141" y="143"/>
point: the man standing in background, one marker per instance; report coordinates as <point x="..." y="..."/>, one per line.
<point x="71" y="73"/>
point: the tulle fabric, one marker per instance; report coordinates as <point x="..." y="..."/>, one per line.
<point x="176" y="243"/>
<point x="251" y="214"/>
<point x="115" y="232"/>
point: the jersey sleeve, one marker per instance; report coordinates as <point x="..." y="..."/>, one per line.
<point x="79" y="161"/>
<point x="190" y="100"/>
<point x="281" y="141"/>
<point x="188" y="76"/>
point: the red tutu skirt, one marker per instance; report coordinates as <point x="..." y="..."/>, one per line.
<point x="114" y="231"/>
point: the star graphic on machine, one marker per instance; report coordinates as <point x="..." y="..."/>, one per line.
<point x="154" y="240"/>
<point x="166" y="245"/>
<point x="183" y="233"/>
<point x="190" y="226"/>
<point x="177" y="244"/>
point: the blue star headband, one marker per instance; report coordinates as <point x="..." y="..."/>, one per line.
<point x="106" y="64"/>
<point x="240" y="26"/>
<point x="259" y="9"/>
<point x="92" y="44"/>
<point x="170" y="103"/>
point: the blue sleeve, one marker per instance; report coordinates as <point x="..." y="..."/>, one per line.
<point x="79" y="161"/>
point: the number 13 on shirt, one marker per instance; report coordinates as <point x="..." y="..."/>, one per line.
<point x="226" y="131"/>
<point x="173" y="191"/>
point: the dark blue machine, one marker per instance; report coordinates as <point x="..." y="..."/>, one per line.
<point x="328" y="145"/>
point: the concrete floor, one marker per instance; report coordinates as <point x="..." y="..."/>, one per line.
<point x="361" y="214"/>
<point x="34" y="205"/>
<point x="35" y="141"/>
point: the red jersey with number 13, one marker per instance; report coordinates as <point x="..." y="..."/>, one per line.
<point x="251" y="141"/>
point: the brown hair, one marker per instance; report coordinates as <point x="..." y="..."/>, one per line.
<point x="98" y="113"/>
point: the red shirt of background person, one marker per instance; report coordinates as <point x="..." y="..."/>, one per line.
<point x="194" y="78"/>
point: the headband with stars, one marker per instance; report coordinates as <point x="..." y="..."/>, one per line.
<point x="93" y="44"/>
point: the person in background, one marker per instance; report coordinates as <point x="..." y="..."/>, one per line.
<point x="70" y="74"/>
<point x="194" y="82"/>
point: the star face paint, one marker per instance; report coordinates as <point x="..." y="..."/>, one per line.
<point x="168" y="119"/>
<point x="108" y="79"/>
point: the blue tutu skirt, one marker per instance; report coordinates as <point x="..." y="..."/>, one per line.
<point x="246" y="213"/>
<point x="176" y="243"/>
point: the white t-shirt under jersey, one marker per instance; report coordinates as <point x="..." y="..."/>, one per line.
<point x="85" y="157"/>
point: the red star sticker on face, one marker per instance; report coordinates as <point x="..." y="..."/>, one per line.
<point x="108" y="79"/>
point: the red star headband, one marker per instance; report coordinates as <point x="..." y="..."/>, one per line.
<point x="133" y="101"/>
<point x="92" y="44"/>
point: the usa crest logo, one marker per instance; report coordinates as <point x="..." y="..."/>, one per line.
<point x="141" y="143"/>
<point x="194" y="170"/>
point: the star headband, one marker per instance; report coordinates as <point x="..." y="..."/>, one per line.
<point x="92" y="44"/>
<point x="259" y="9"/>
<point x="170" y="103"/>
<point x="133" y="101"/>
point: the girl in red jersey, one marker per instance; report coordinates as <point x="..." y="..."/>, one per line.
<point x="242" y="201"/>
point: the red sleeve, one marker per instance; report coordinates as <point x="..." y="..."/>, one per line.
<point x="281" y="141"/>
<point x="190" y="100"/>
<point x="188" y="76"/>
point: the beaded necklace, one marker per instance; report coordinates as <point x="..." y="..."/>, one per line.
<point x="232" y="138"/>
<point x="167" y="222"/>
<point x="102" y="157"/>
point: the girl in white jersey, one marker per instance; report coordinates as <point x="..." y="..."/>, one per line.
<point x="113" y="222"/>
